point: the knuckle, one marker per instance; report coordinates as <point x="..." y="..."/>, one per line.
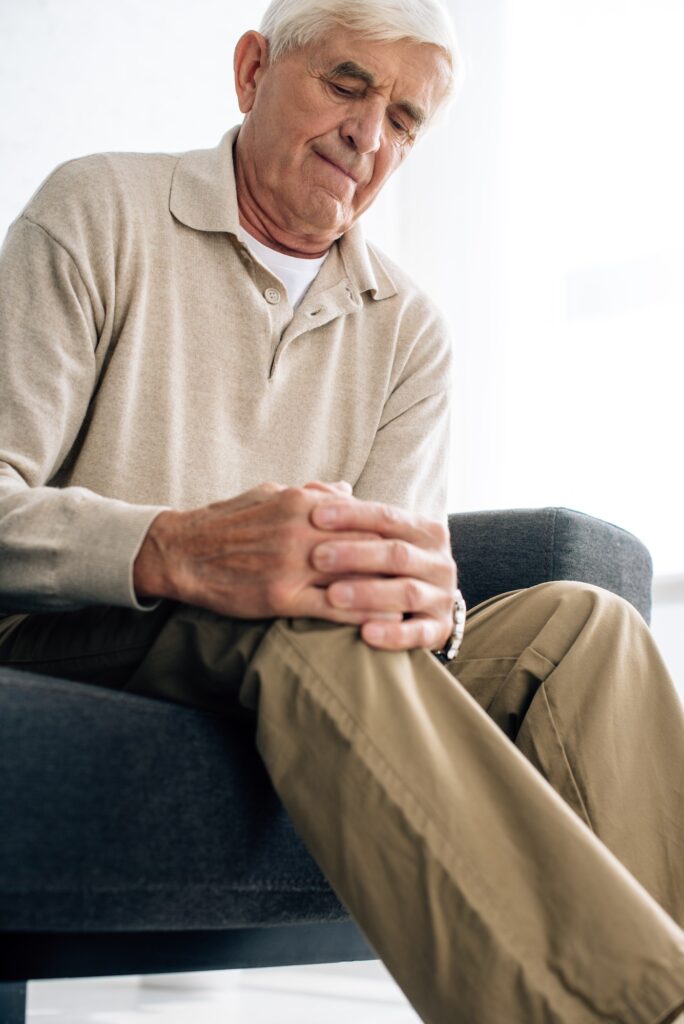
<point x="412" y="595"/>
<point x="423" y="633"/>
<point x="298" y="494"/>
<point x="295" y="500"/>
<point x="399" y="554"/>
<point x="443" y="573"/>
<point x="389" y="514"/>
<point x="441" y="535"/>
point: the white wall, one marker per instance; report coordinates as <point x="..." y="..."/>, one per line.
<point x="666" y="625"/>
<point x="595" y="262"/>
<point x="84" y="76"/>
<point x="555" y="210"/>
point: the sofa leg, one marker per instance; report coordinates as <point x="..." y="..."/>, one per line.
<point x="13" y="1002"/>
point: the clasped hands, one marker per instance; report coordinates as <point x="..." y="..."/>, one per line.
<point x="312" y="551"/>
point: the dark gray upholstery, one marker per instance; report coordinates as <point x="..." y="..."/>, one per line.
<point x="500" y="551"/>
<point x="148" y="813"/>
<point x="139" y="835"/>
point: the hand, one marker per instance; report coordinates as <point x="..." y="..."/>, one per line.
<point x="407" y="567"/>
<point x="249" y="557"/>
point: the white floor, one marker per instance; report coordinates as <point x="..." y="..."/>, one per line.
<point x="362" y="993"/>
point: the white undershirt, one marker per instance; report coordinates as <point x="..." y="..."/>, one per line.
<point x="295" y="273"/>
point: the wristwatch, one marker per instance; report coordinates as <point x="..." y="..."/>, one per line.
<point x="450" y="649"/>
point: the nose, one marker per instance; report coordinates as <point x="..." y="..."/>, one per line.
<point x="363" y="130"/>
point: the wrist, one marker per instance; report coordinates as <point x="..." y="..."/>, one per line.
<point x="152" y="568"/>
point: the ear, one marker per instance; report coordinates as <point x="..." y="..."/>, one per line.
<point x="249" y="64"/>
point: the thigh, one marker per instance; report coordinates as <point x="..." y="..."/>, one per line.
<point x="99" y="644"/>
<point x="199" y="658"/>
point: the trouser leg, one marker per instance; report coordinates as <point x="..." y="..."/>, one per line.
<point x="188" y="655"/>
<point x="100" y="644"/>
<point x="486" y="896"/>
<point x="572" y="675"/>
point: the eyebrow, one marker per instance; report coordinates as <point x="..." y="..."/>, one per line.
<point x="350" y="69"/>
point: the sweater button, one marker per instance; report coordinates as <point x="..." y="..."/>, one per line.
<point x="272" y="295"/>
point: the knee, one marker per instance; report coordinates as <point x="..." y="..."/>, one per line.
<point x="591" y="601"/>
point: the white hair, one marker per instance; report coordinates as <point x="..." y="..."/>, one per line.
<point x="290" y="24"/>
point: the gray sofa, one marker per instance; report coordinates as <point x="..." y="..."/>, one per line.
<point x="140" y="836"/>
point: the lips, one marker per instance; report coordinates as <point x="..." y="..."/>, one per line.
<point x="338" y="167"/>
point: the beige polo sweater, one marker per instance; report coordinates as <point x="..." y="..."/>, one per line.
<point x="148" y="361"/>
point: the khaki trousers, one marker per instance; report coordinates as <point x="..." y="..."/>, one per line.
<point x="508" y="833"/>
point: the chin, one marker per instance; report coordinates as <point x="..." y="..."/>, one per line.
<point x="327" y="214"/>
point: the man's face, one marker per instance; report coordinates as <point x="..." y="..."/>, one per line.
<point x="329" y="123"/>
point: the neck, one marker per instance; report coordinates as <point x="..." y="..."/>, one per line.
<point x="255" y="219"/>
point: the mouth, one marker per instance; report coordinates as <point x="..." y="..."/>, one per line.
<point x="338" y="167"/>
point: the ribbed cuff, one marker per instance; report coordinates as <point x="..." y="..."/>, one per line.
<point x="99" y="544"/>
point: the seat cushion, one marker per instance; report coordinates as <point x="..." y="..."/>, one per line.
<point x="126" y="812"/>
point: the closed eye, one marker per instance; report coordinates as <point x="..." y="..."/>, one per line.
<point x="341" y="91"/>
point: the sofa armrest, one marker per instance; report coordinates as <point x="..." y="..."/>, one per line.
<point x="497" y="551"/>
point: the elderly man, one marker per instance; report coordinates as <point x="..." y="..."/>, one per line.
<point x="224" y="421"/>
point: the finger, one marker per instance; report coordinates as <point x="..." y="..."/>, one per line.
<point x="390" y="557"/>
<point x="339" y="487"/>
<point x="312" y="603"/>
<point x="324" y="577"/>
<point x="387" y="520"/>
<point x="255" y="496"/>
<point x="420" y="631"/>
<point x="394" y="595"/>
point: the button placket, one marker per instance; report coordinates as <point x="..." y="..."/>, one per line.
<point x="315" y="312"/>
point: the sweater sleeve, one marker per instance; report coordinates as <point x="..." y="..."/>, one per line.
<point x="408" y="462"/>
<point x="60" y="548"/>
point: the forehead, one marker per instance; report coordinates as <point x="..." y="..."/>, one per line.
<point x="400" y="70"/>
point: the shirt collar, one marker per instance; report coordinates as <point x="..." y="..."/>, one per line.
<point x="203" y="197"/>
<point x="203" y="188"/>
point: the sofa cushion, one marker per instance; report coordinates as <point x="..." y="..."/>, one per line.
<point x="125" y="812"/>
